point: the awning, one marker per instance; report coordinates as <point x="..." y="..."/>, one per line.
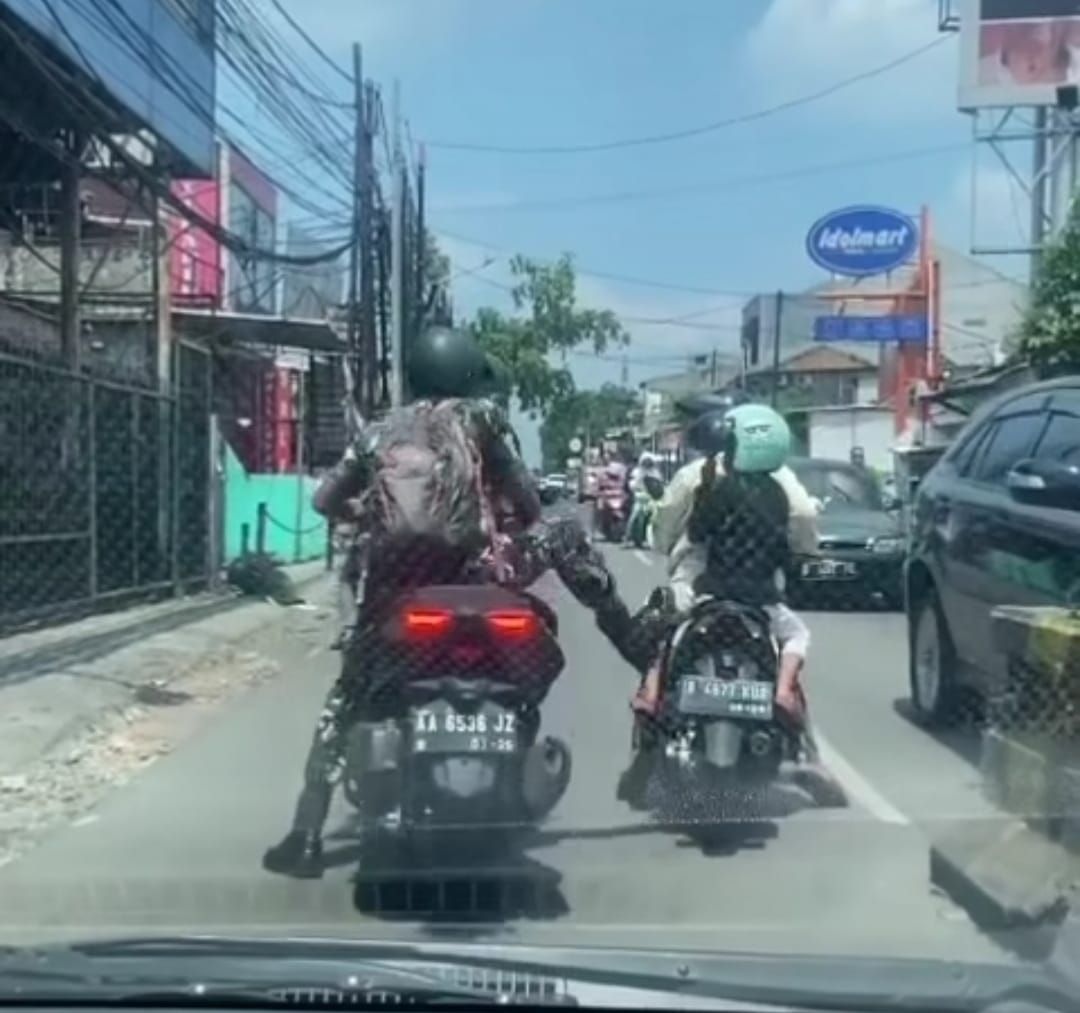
<point x="259" y="329"/>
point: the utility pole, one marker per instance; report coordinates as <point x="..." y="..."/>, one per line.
<point x="368" y="266"/>
<point x="358" y="225"/>
<point x="70" y="235"/>
<point x="421" y="242"/>
<point x="397" y="264"/>
<point x="778" y="316"/>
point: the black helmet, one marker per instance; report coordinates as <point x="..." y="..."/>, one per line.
<point x="710" y="433"/>
<point x="694" y="406"/>
<point x="448" y="362"/>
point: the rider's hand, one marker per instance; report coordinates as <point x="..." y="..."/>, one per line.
<point x="708" y="471"/>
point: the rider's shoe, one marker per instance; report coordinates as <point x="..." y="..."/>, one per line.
<point x="299" y="854"/>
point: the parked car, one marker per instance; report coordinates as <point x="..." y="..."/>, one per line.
<point x="553" y="488"/>
<point x="861" y="540"/>
<point x="996" y="521"/>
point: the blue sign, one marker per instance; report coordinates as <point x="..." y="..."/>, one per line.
<point x="861" y="241"/>
<point x="904" y="328"/>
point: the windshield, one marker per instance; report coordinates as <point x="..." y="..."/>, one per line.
<point x="839" y="486"/>
<point x="333" y="602"/>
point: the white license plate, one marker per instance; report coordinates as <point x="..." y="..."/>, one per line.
<point x="829" y="569"/>
<point x="442" y="729"/>
<point x="725" y="698"/>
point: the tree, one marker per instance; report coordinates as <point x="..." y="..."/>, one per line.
<point x="1050" y="332"/>
<point x="585" y="413"/>
<point x="547" y="322"/>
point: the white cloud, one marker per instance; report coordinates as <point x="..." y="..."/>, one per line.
<point x="801" y="46"/>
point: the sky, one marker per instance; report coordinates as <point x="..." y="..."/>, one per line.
<point x="710" y="218"/>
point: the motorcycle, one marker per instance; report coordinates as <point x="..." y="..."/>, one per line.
<point x="715" y="735"/>
<point x="459" y="678"/>
<point x="612" y="512"/>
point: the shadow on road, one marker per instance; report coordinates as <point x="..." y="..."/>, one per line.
<point x="963" y="736"/>
<point x="481" y="885"/>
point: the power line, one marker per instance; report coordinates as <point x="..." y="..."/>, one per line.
<point x="705" y="128"/>
<point x="783" y="175"/>
<point x="151" y="182"/>
<point x="319" y="51"/>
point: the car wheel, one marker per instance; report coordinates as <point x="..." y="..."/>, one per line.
<point x="932" y="664"/>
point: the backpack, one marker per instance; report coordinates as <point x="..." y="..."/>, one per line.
<point x="428" y="481"/>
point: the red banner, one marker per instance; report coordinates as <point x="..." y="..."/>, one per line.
<point x="195" y="264"/>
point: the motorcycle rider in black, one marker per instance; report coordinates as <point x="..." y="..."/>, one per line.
<point x="444" y="364"/>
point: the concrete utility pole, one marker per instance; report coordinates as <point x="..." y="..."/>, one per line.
<point x="778" y="316"/>
<point x="356" y="359"/>
<point x="397" y="258"/>
<point x="70" y="236"/>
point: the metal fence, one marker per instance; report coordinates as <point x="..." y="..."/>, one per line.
<point x="105" y="487"/>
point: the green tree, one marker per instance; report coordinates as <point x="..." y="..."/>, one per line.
<point x="1050" y="332"/>
<point x="546" y="325"/>
<point x="585" y="413"/>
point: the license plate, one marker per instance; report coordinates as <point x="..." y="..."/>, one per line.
<point x="725" y="698"/>
<point x="829" y="569"/>
<point x="441" y="729"/>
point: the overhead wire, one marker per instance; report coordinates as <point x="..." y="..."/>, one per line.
<point x="704" y="128"/>
<point x="82" y="102"/>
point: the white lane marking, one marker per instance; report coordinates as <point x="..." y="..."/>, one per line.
<point x="643" y="556"/>
<point x="857" y="786"/>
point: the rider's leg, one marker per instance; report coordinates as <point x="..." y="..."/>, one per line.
<point x="793" y="636"/>
<point x="300" y="851"/>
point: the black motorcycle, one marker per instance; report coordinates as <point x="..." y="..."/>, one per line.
<point x="460" y="673"/>
<point x="714" y="737"/>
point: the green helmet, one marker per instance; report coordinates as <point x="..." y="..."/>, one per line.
<point x="447" y="362"/>
<point x="761" y="436"/>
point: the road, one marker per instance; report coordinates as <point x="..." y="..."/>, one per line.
<point x="179" y="848"/>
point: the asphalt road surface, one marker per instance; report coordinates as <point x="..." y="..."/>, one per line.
<point x="179" y="848"/>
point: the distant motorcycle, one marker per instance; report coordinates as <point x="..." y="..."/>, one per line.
<point x="645" y="511"/>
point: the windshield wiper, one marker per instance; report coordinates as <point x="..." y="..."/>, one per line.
<point x="209" y="971"/>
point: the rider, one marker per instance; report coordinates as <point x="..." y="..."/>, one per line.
<point x="691" y="563"/>
<point x="444" y="365"/>
<point x="645" y="468"/>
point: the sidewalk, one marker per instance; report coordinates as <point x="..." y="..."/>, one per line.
<point x="56" y="682"/>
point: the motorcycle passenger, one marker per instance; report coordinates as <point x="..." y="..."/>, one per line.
<point x="446" y="371"/>
<point x="645" y="468"/>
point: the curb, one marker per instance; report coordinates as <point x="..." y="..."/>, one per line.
<point x="1004" y="874"/>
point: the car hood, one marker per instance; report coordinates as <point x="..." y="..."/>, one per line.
<point x="848" y="524"/>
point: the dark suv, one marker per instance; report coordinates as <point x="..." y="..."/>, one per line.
<point x="996" y="521"/>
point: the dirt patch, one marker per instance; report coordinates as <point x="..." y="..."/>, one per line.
<point x="64" y="786"/>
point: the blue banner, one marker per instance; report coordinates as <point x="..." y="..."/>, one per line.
<point x="904" y="328"/>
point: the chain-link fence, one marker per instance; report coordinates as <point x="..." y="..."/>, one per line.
<point x="104" y="487"/>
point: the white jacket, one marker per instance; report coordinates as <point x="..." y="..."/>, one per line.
<point x="686" y="562"/>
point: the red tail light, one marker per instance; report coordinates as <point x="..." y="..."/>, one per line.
<point x="514" y="624"/>
<point x="420" y="622"/>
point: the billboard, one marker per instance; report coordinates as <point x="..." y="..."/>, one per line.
<point x="1017" y="52"/>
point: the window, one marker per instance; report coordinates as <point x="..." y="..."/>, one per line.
<point x="1061" y="441"/>
<point x="968" y="450"/>
<point x="839" y="486"/>
<point x="1010" y="440"/>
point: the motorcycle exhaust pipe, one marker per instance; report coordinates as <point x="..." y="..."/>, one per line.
<point x="545" y="776"/>
<point x="760" y="744"/>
